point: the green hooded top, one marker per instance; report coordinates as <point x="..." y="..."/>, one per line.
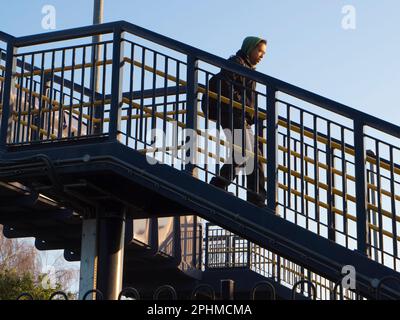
<point x="249" y="43"/>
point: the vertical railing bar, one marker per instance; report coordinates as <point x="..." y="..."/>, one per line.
<point x="103" y="106"/>
<point x="243" y="124"/>
<point x="200" y="248"/>
<point x="42" y="92"/>
<point x="177" y="93"/>
<point x="256" y="145"/>
<point x="141" y="99"/>
<point x="360" y="176"/>
<point x="379" y="198"/>
<point x="232" y="153"/>
<point x="154" y="107"/>
<point x="183" y="120"/>
<point x="302" y="290"/>
<point x="289" y="172"/>
<point x="302" y="160"/>
<point x="306" y="187"/>
<point x="334" y="202"/>
<point x="271" y="149"/>
<point x="9" y="88"/>
<point x="165" y="107"/>
<point x="218" y="126"/>
<point x="393" y="205"/>
<point x="24" y="107"/>
<point x="18" y="134"/>
<point x="93" y="85"/>
<point x="316" y="175"/>
<point x="19" y="104"/>
<point x="295" y="183"/>
<point x="285" y="197"/>
<point x="248" y="254"/>
<point x="206" y="120"/>
<point x="53" y="120"/>
<point x="82" y="92"/>
<point x="61" y="102"/>
<point x="371" y="199"/>
<point x="192" y="89"/>
<point x="50" y="124"/>
<point x="309" y="275"/>
<point x="329" y="178"/>
<point x="131" y="80"/>
<point x="344" y="188"/>
<point x="116" y="84"/>
<point x="176" y="108"/>
<point x="30" y="99"/>
<point x="35" y="87"/>
<point x="142" y="80"/>
<point x="145" y="120"/>
<point x="71" y="100"/>
<point x="206" y="244"/>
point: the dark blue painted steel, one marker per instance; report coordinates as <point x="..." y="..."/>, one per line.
<point x="360" y="175"/>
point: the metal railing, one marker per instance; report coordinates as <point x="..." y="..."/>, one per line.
<point x="312" y="150"/>
<point x="224" y="249"/>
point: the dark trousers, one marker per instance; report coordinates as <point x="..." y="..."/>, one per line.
<point x="228" y="171"/>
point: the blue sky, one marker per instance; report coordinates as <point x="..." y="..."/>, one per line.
<point x="307" y="45"/>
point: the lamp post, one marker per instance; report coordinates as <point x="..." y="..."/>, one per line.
<point x="98" y="16"/>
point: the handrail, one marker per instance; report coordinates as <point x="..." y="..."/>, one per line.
<point x="66" y="34"/>
<point x="5" y="36"/>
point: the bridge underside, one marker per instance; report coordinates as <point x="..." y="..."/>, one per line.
<point x="88" y="172"/>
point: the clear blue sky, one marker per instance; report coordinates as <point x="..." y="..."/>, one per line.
<point x="307" y="45"/>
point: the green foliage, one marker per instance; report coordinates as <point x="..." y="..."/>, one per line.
<point x="12" y="285"/>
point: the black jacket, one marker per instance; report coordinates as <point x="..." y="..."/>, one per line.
<point x="240" y="85"/>
<point x="225" y="81"/>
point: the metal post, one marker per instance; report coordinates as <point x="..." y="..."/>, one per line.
<point x="194" y="242"/>
<point x="206" y="247"/>
<point x="88" y="267"/>
<point x="111" y="239"/>
<point x="272" y="121"/>
<point x="227" y="289"/>
<point x="331" y="181"/>
<point x="191" y="124"/>
<point x="177" y="252"/>
<point x="9" y="90"/>
<point x="153" y="234"/>
<point x="248" y="254"/>
<point x="361" y="198"/>
<point x="98" y="15"/>
<point x="373" y="202"/>
<point x="116" y="84"/>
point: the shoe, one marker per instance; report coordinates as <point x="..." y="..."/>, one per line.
<point x="256" y="199"/>
<point x="217" y="183"/>
<point x="261" y="205"/>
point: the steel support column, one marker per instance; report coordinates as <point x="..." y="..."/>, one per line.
<point x="88" y="267"/>
<point x="111" y="238"/>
